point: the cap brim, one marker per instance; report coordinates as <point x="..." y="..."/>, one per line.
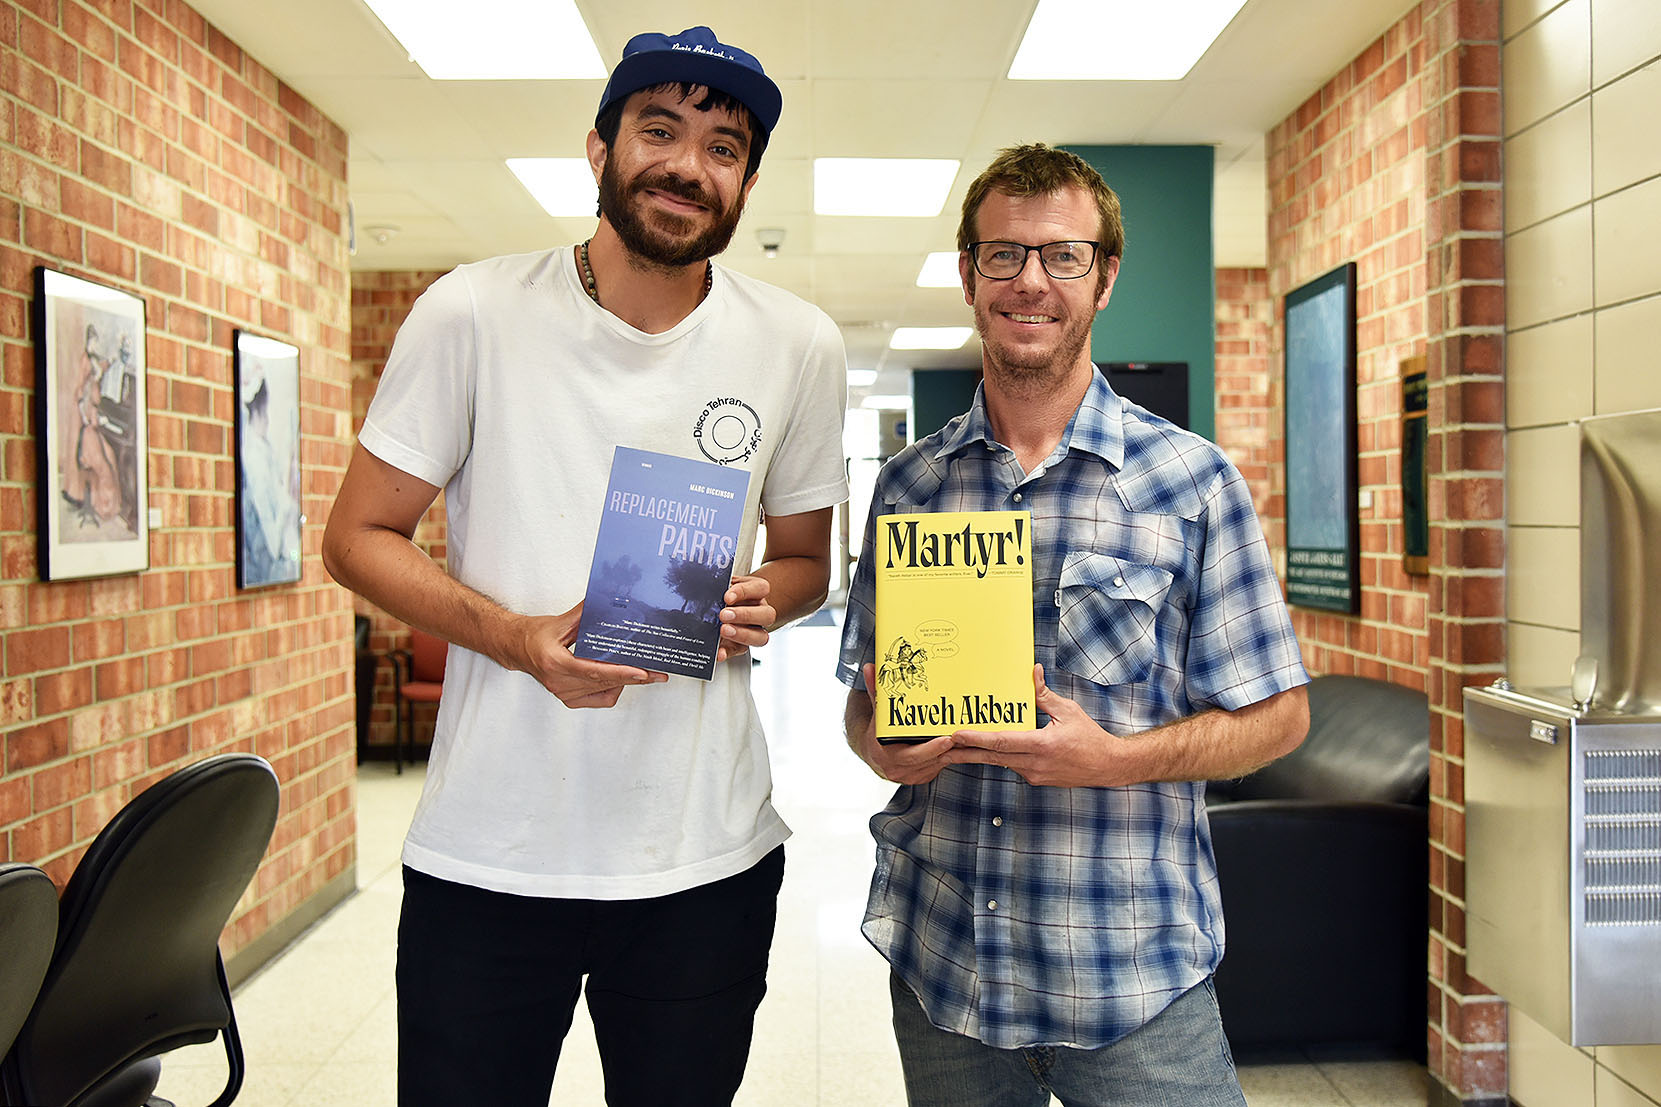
<point x="754" y="90"/>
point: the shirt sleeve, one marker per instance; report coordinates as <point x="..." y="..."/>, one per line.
<point x="1241" y="646"/>
<point x="421" y="419"/>
<point x="809" y="471"/>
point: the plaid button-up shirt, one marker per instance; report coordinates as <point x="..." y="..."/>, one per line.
<point x="1027" y="915"/>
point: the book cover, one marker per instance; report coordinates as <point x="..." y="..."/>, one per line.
<point x="662" y="563"/>
<point x="954" y="623"/>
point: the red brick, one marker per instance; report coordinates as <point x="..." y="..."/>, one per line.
<point x="106" y="168"/>
<point x="46" y="138"/>
<point x="118" y="12"/>
<point x="123" y="677"/>
<point x="39" y="838"/>
<point x="36" y="744"/>
<point x="109" y="258"/>
<point x="60" y="784"/>
<point x="157" y="35"/>
<point x="29" y="83"/>
<point x="169" y="745"/>
<point x="64" y="691"/>
<point x="44" y="46"/>
<point x="30" y="651"/>
<point x="92" y="33"/>
<point x="52" y="236"/>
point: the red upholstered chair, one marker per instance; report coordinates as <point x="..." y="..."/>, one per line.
<point x="418" y="676"/>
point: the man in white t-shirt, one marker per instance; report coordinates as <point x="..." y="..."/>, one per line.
<point x="634" y="845"/>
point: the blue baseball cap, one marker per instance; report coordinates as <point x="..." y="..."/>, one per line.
<point x="697" y="57"/>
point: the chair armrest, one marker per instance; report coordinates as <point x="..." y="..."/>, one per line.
<point x="403" y="666"/>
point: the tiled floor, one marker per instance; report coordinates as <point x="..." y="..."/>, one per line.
<point x="318" y="1021"/>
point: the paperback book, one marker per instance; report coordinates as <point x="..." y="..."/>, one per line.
<point x="954" y="623"/>
<point x="662" y="564"/>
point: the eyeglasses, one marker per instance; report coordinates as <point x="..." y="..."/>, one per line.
<point x="1002" y="261"/>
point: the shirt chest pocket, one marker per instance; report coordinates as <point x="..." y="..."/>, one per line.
<point x="1109" y="615"/>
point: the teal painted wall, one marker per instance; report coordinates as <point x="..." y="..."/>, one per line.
<point x="1163" y="306"/>
<point x="939" y="394"/>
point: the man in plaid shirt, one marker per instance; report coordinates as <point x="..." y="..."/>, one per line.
<point x="1048" y="899"/>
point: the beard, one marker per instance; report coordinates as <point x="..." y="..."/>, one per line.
<point x="1033" y="365"/>
<point x="660" y="238"/>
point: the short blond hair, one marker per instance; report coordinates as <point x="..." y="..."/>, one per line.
<point x="1037" y="170"/>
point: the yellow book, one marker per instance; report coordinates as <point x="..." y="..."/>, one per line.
<point x="954" y="623"/>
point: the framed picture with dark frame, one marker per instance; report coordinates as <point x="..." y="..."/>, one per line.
<point x="1323" y="523"/>
<point x="1415" y="496"/>
<point x="268" y="517"/>
<point x="91" y="441"/>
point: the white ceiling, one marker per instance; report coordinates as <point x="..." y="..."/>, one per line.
<point x="861" y="78"/>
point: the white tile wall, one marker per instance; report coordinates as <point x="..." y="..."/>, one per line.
<point x="1548" y="373"/>
<point x="1542" y="477"/>
<point x="1541" y="180"/>
<point x="1518" y="14"/>
<point x="1542" y="582"/>
<point x="1582" y="89"/>
<point x="1545" y="1071"/>
<point x="1540" y="657"/>
<point x="1626" y="263"/>
<point x="1637" y="1066"/>
<point x="1548" y="269"/>
<point x="1628" y="377"/>
<point x="1612" y="1091"/>
<point x="1624" y="150"/>
<point x="1548" y="66"/>
<point x="1625" y="35"/>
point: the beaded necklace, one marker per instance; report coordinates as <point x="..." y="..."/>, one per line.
<point x="593" y="293"/>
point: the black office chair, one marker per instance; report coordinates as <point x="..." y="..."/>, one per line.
<point x="137" y="970"/>
<point x="28" y="925"/>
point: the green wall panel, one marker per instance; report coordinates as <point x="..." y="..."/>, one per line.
<point x="1163" y="306"/>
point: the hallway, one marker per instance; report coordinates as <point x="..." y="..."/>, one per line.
<point x="318" y="1022"/>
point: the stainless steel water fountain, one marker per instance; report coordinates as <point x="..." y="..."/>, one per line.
<point x="1563" y="784"/>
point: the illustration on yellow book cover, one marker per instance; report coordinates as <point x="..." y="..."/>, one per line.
<point x="954" y="623"/>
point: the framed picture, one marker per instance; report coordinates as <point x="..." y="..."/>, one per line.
<point x="1323" y="524"/>
<point x="268" y="518"/>
<point x="1415" y="518"/>
<point x="92" y="498"/>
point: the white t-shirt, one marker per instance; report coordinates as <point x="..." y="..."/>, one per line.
<point x="509" y="387"/>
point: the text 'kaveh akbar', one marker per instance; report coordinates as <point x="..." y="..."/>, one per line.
<point x="969" y="548"/>
<point x="968" y="711"/>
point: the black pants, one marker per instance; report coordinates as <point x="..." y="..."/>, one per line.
<point x="488" y="982"/>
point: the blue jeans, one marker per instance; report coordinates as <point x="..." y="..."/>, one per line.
<point x="1179" y="1059"/>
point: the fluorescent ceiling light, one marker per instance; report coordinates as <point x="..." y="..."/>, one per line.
<point x="929" y="338"/>
<point x="1145" y="42"/>
<point x="493" y="40"/>
<point x="563" y="186"/>
<point x="887" y="403"/>
<point x="940" y="271"/>
<point x="882" y="186"/>
<point x="861" y="378"/>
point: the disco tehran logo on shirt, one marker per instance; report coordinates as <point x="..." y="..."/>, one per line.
<point x="728" y="430"/>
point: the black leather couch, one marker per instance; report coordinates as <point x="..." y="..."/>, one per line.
<point x="1323" y="859"/>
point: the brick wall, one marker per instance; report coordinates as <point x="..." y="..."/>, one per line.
<point x="1465" y="304"/>
<point x="380" y="301"/>
<point x="1249" y="396"/>
<point x="142" y="149"/>
<point x="1347" y="183"/>
<point x="1395" y="165"/>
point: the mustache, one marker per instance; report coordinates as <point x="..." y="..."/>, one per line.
<point x="690" y="191"/>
